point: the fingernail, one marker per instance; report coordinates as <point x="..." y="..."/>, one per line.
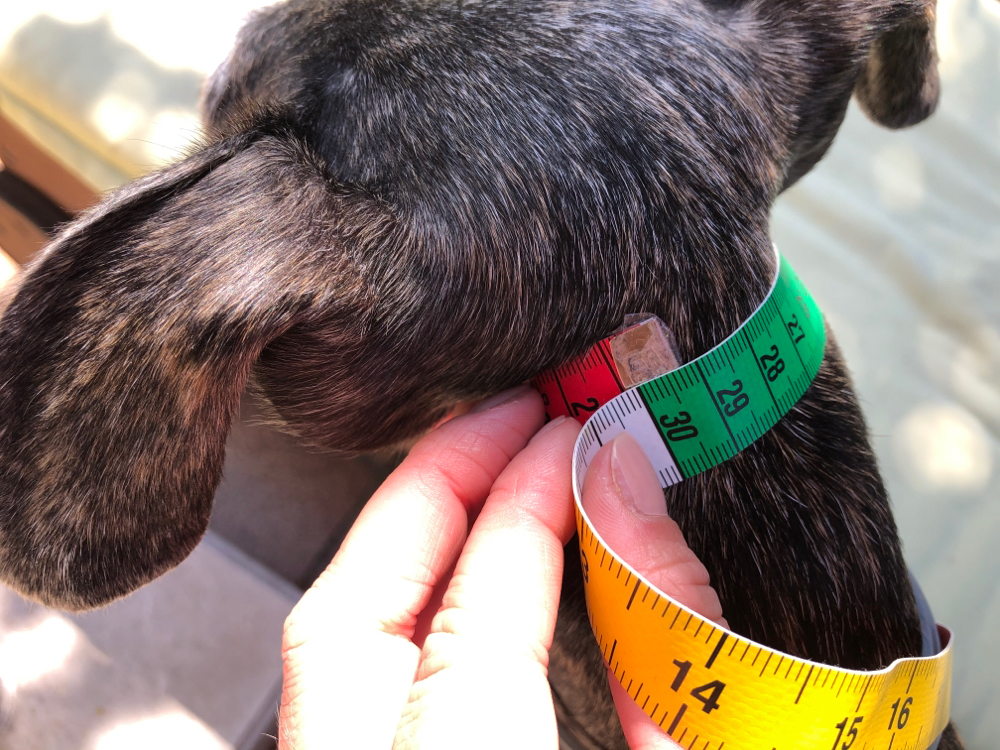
<point x="634" y="477"/>
<point x="549" y="425"/>
<point x="501" y="398"/>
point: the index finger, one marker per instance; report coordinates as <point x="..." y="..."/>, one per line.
<point x="489" y="642"/>
<point x="411" y="531"/>
<point x="348" y="658"/>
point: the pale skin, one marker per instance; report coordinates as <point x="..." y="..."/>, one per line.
<point x="431" y="628"/>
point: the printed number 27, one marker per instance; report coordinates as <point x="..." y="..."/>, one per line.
<point x="793" y="328"/>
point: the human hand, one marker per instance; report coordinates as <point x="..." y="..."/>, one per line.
<point x="424" y="634"/>
<point x="626" y="506"/>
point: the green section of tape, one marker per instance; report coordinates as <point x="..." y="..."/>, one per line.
<point x="713" y="407"/>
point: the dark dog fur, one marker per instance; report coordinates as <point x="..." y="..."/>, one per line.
<point x="401" y="205"/>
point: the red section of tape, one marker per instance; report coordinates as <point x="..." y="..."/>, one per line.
<point x="581" y="386"/>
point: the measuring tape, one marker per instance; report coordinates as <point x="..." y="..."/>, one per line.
<point x="706" y="686"/>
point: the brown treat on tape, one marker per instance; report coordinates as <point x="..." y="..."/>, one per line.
<point x="644" y="351"/>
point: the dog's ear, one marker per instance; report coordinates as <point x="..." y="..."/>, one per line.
<point x="898" y="84"/>
<point x="128" y="343"/>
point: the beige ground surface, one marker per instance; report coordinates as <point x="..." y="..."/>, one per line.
<point x="897" y="234"/>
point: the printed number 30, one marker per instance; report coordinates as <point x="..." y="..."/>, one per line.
<point x="680" y="427"/>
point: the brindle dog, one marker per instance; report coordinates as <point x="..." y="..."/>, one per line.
<point x="403" y="204"/>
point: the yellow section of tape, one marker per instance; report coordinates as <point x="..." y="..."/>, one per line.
<point x="708" y="687"/>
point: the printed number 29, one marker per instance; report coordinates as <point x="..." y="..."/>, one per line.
<point x="734" y="407"/>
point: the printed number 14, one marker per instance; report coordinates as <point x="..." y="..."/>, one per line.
<point x="708" y="693"/>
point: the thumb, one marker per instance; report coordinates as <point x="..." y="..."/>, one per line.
<point x="626" y="506"/>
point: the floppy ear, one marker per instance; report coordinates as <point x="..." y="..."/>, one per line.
<point x="898" y="84"/>
<point x="127" y="345"/>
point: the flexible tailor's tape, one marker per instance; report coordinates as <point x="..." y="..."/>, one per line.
<point x="704" y="685"/>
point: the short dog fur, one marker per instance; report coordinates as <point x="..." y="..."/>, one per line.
<point x="402" y="204"/>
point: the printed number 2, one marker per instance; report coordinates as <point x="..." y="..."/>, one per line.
<point x="735" y="406"/>
<point x="590" y="406"/>
<point x="852" y="732"/>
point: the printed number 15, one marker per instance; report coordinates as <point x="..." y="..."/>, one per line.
<point x="852" y="732"/>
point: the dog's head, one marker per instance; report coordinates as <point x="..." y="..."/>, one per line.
<point x="400" y="205"/>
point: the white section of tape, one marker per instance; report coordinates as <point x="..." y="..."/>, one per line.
<point x="624" y="413"/>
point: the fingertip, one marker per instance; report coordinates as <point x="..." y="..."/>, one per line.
<point x="626" y="507"/>
<point x="413" y="528"/>
<point x="518" y="409"/>
<point x="641" y="732"/>
<point x="609" y="500"/>
<point x="558" y="432"/>
<point x="502" y="398"/>
<point x="545" y="462"/>
<point x="556" y="440"/>
<point x="634" y="477"/>
<point x="504" y="422"/>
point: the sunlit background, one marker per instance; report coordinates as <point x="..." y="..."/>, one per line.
<point x="897" y="234"/>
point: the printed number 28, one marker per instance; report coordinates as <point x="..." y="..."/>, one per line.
<point x="778" y="366"/>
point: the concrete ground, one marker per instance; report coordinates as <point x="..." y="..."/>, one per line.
<point x="897" y="234"/>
